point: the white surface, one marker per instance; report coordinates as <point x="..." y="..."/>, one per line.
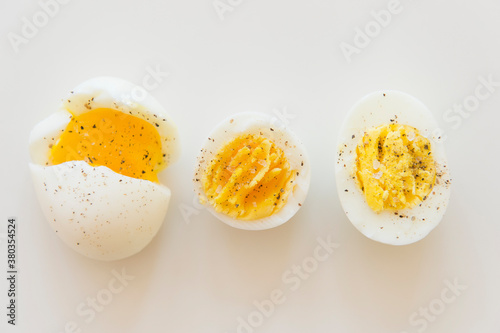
<point x="200" y="275"/>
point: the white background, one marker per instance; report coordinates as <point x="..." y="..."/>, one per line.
<point x="200" y="275"/>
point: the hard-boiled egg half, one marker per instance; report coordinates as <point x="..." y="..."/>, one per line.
<point x="95" y="165"/>
<point x="391" y="171"/>
<point x="253" y="173"/>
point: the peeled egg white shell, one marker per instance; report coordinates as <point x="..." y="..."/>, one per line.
<point x="97" y="212"/>
<point x="386" y="107"/>
<point x="270" y="127"/>
<point x="120" y="215"/>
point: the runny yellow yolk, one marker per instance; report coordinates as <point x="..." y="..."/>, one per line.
<point x="249" y="178"/>
<point x="104" y="137"/>
<point x="394" y="167"/>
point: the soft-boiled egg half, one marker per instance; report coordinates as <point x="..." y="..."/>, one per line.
<point x="95" y="165"/>
<point x="391" y="171"/>
<point x="253" y="173"/>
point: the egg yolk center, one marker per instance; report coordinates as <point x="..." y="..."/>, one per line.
<point x="104" y="137"/>
<point x="395" y="168"/>
<point x="249" y="178"/>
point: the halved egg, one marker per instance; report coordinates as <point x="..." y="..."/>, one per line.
<point x="392" y="173"/>
<point x="95" y="165"/>
<point x="253" y="173"/>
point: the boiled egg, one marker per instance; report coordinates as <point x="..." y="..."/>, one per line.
<point x="253" y="172"/>
<point x="392" y="173"/>
<point x="95" y="165"/>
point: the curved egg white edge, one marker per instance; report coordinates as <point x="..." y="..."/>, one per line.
<point x="120" y="214"/>
<point x="45" y="134"/>
<point x="390" y="228"/>
<point x="259" y="124"/>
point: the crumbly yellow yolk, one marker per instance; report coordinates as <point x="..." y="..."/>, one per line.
<point x="249" y="178"/>
<point x="394" y="167"/>
<point x="104" y="137"/>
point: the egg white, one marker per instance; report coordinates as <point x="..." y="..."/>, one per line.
<point x="96" y="211"/>
<point x="404" y="226"/>
<point x="269" y="127"/>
